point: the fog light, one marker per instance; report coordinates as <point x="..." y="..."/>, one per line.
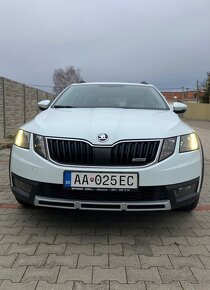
<point x="184" y="190"/>
<point x="22" y="185"/>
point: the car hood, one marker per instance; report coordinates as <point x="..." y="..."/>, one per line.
<point x="118" y="124"/>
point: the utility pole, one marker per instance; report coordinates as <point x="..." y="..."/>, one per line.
<point x="182" y="94"/>
<point x="197" y="90"/>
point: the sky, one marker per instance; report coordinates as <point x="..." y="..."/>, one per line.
<point x="166" y="43"/>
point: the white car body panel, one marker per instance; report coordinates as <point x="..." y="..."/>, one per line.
<point x="119" y="124"/>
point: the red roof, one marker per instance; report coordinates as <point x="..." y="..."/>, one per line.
<point x="179" y="96"/>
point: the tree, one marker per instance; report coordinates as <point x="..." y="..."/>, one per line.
<point x="65" y="77"/>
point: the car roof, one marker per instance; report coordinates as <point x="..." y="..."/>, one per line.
<point x="112" y="83"/>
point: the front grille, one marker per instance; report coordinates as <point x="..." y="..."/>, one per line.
<point x="73" y="152"/>
<point x="144" y="193"/>
<point x="70" y="152"/>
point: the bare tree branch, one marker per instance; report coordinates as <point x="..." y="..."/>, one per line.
<point x="65" y="77"/>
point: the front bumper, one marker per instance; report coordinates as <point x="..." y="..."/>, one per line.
<point x="146" y="198"/>
<point x="158" y="183"/>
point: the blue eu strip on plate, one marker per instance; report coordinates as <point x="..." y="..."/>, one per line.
<point x="67" y="179"/>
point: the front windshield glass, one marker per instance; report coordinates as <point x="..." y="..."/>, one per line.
<point x="111" y="96"/>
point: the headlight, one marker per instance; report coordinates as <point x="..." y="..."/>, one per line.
<point x="39" y="145"/>
<point x="188" y="143"/>
<point x="22" y="139"/>
<point x="168" y="148"/>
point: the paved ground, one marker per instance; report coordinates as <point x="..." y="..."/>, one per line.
<point x="54" y="249"/>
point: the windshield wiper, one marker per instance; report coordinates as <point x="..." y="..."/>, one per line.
<point x="61" y="106"/>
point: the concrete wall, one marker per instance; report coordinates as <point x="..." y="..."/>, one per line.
<point x="18" y="104"/>
<point x="198" y="112"/>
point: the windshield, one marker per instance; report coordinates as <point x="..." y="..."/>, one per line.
<point x="111" y="96"/>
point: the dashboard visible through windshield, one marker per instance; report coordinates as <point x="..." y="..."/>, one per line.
<point x="111" y="96"/>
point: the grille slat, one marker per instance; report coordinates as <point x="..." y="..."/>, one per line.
<point x="131" y="153"/>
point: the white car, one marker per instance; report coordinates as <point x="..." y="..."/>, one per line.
<point x="108" y="146"/>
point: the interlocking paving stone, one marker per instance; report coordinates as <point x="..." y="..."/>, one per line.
<point x="117" y="274"/>
<point x="45" y="274"/>
<point x="51" y="249"/>
<point x="116" y="261"/>
<point x="181" y="240"/>
<point x="190" y="286"/>
<point x="13" y="274"/>
<point x="171" y="286"/>
<point x="14" y="239"/>
<point x="57" y="231"/>
<point x="67" y="274"/>
<point x="22" y="249"/>
<point x="147" y="262"/>
<point x="193" y="250"/>
<point x="108" y="231"/>
<point x="108" y="249"/>
<point x="202" y="276"/>
<point x="143" y="249"/>
<point x="134" y="275"/>
<point x="33" y="231"/>
<point x="99" y="286"/>
<point x="82" y="231"/>
<point x="30" y="224"/>
<point x="7" y="261"/>
<point x="25" y="260"/>
<point x="49" y="223"/>
<point x="6" y="223"/>
<point x="41" y="239"/>
<point x="86" y="239"/>
<point x="8" y="285"/>
<point x="157" y="232"/>
<point x="60" y="239"/>
<point x="199" y="241"/>
<point x="117" y="286"/>
<point x="165" y="250"/>
<point x="55" y="260"/>
<point x="114" y="239"/>
<point x="206" y="261"/>
<point x="101" y="260"/>
<point x="204" y="224"/>
<point x="79" y="249"/>
<point x="4" y="217"/>
<point x="182" y="232"/>
<point x="3" y="248"/>
<point x="148" y="239"/>
<point x="208" y="248"/>
<point x="52" y="286"/>
<point x="132" y="231"/>
<point x="183" y="274"/>
<point x="190" y="261"/>
<point x="10" y="231"/>
<point x="202" y="232"/>
<point x="19" y="217"/>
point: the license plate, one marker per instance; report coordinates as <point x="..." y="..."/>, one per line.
<point x="96" y="180"/>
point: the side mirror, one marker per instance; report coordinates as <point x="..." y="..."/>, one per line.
<point x="43" y="105"/>
<point x="179" y="108"/>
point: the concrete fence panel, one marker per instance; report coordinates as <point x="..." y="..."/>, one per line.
<point x="18" y="104"/>
<point x="198" y="112"/>
<point x="13" y="106"/>
<point x="1" y="109"/>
